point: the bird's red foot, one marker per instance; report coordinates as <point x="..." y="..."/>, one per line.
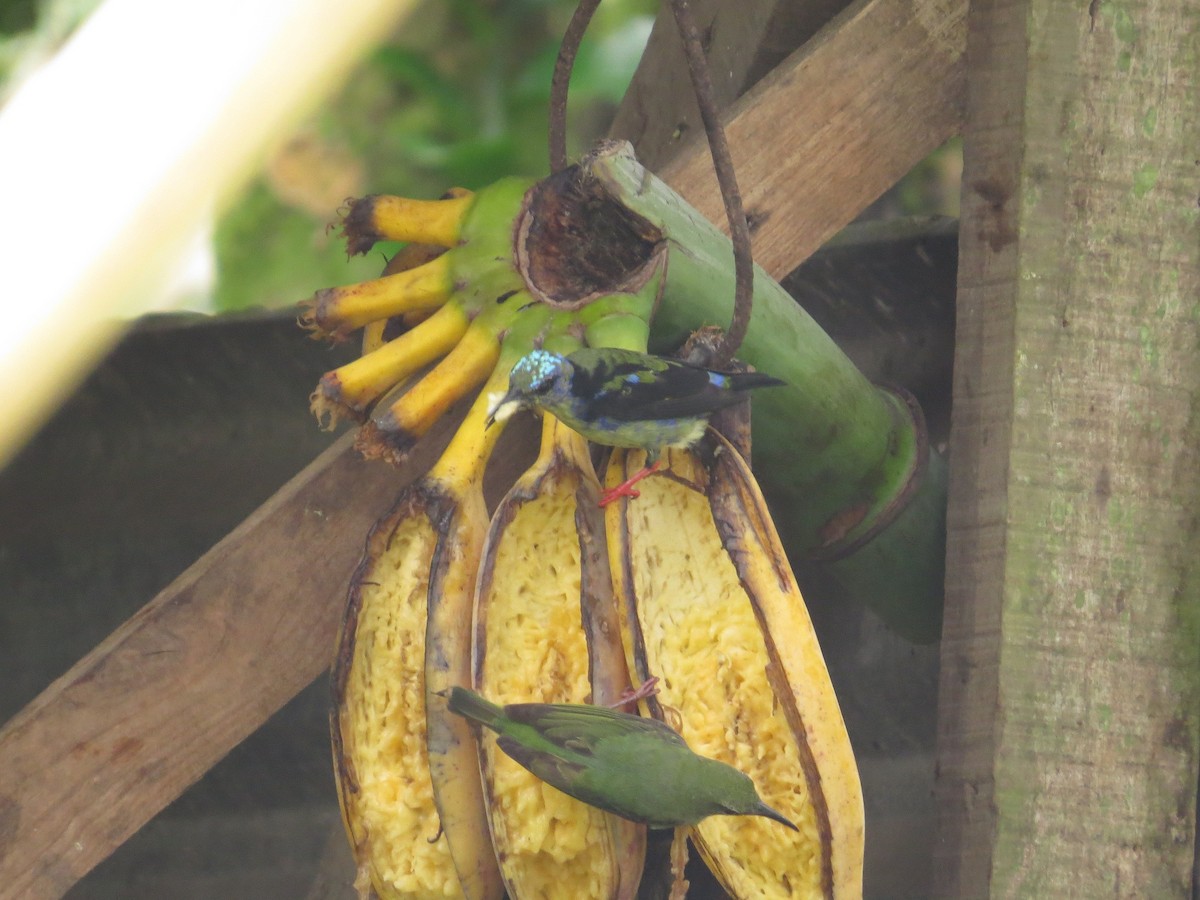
<point x="625" y="488"/>
<point x="647" y="688"/>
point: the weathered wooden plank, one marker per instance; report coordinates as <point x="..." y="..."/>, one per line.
<point x="742" y="43"/>
<point x="1070" y="682"/>
<point x="835" y="125"/>
<point x="168" y="694"/>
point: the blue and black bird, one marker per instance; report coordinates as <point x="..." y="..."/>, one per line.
<point x="621" y="398"/>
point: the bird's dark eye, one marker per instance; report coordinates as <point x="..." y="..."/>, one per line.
<point x="542" y="386"/>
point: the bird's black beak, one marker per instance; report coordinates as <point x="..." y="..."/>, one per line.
<point x="497" y="408"/>
<point x="763" y="810"/>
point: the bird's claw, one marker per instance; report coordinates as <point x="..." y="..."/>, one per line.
<point x="625" y="488"/>
<point x="647" y="688"/>
<point x="621" y="490"/>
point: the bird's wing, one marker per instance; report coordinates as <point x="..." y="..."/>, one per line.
<point x="647" y="387"/>
<point x="574" y="727"/>
<point x="554" y="770"/>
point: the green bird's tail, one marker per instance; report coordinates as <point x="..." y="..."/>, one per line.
<point x="474" y="707"/>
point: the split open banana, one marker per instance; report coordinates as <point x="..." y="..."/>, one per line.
<point x="552" y="599"/>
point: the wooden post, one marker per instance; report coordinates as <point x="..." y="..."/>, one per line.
<point x="1070" y="682"/>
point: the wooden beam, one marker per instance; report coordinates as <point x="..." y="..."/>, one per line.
<point x="742" y="43"/>
<point x="167" y="695"/>
<point x="836" y="124"/>
<point x="1070" y="680"/>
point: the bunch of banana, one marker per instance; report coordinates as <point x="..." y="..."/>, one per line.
<point x="458" y="304"/>
<point x="407" y="770"/>
<point x="555" y="601"/>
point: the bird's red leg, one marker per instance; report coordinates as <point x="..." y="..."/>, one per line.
<point x="625" y="488"/>
<point x="647" y="688"/>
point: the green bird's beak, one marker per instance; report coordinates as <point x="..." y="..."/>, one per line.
<point x="763" y="810"/>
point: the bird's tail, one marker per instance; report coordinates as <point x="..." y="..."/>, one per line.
<point x="744" y="381"/>
<point x="474" y="707"/>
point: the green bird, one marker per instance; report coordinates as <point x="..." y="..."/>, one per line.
<point x="621" y="398"/>
<point x="639" y="769"/>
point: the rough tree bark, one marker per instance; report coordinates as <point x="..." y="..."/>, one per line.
<point x="1071" y="652"/>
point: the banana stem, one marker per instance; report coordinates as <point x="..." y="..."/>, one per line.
<point x="841" y="459"/>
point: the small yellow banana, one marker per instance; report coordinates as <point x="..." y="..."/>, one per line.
<point x="334" y="312"/>
<point x="349" y="390"/>
<point x="382" y="217"/>
<point x="546" y="631"/>
<point x="392" y="430"/>
<point x="710" y="605"/>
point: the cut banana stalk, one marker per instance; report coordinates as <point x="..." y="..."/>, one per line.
<point x="709" y="604"/>
<point x="546" y="631"/>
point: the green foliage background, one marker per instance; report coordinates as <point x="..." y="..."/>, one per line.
<point x="457" y="98"/>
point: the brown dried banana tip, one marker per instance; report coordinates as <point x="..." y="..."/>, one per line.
<point x="407" y="769"/>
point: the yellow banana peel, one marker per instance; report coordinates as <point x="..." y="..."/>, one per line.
<point x="335" y="312"/>
<point x="709" y="604"/>
<point x="408" y="778"/>
<point x="383" y="217"/>
<point x="392" y="431"/>
<point x="546" y="632"/>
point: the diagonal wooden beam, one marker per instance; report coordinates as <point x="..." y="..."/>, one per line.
<point x="839" y="122"/>
<point x="171" y="691"/>
<point x="742" y="43"/>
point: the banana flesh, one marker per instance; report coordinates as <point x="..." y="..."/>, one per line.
<point x="407" y="768"/>
<point x="709" y="604"/>
<point x="546" y="631"/>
